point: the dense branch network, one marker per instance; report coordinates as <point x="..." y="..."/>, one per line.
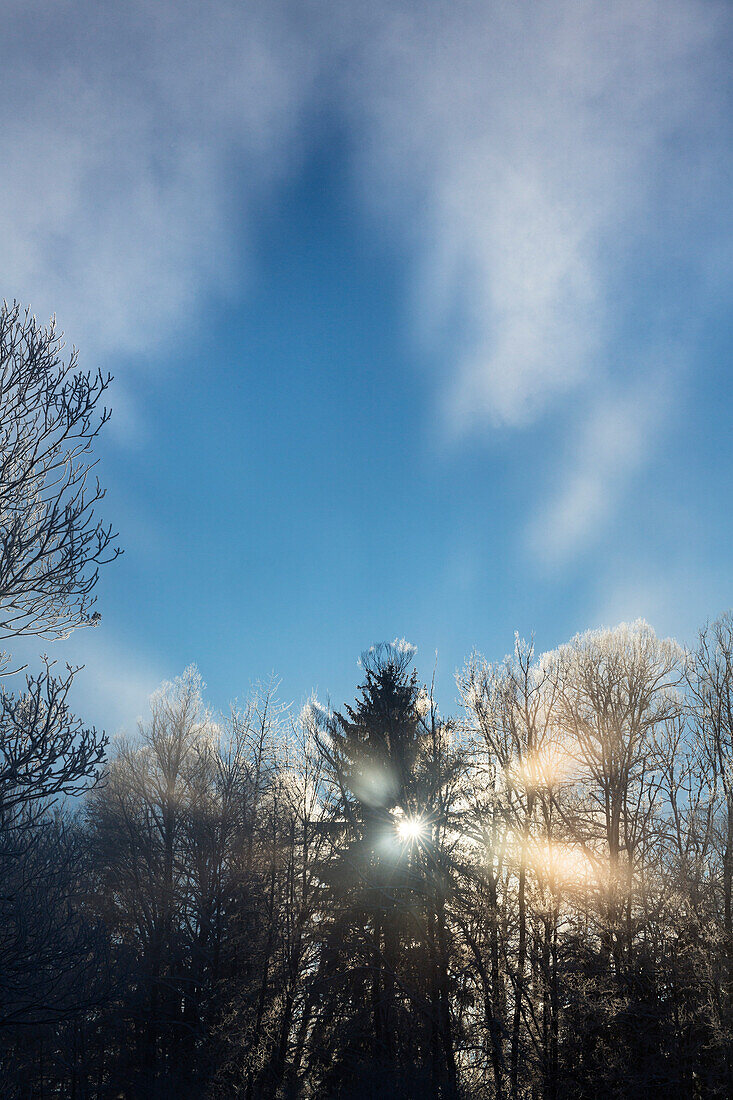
<point x="51" y="543"/>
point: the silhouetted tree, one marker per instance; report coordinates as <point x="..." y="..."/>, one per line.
<point x="51" y="547"/>
<point x="375" y="953"/>
<point x="385" y="902"/>
<point x="51" y="544"/>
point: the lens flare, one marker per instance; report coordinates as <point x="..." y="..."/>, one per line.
<point x="547" y="766"/>
<point x="410" y="829"/>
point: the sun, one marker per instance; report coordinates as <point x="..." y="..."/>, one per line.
<point x="410" y="829"/>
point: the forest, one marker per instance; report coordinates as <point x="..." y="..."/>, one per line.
<point x="528" y="895"/>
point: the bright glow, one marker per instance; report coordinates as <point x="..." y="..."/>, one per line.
<point x="564" y="864"/>
<point x="410" y="829"/>
<point x="559" y="863"/>
<point x="547" y="766"/>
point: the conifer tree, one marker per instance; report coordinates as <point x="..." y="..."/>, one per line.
<point x="374" y="943"/>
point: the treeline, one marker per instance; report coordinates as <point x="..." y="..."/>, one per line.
<point x="529" y="898"/>
<point x="532" y="898"/>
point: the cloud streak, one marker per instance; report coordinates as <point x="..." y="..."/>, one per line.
<point x="543" y="141"/>
<point x="616" y="437"/>
<point x="112" y="688"/>
<point x="124" y="124"/>
<point x="541" y="163"/>
<point x="553" y="163"/>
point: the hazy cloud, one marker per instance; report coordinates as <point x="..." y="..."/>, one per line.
<point x="543" y="143"/>
<point x="120" y="129"/>
<point x="613" y="440"/>
<point x="677" y="598"/>
<point x="541" y="164"/>
<point x="112" y="688"/>
<point x="553" y="166"/>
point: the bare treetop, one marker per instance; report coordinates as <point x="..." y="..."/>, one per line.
<point x="51" y="542"/>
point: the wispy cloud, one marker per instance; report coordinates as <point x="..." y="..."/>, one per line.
<point x="617" y="435"/>
<point x="537" y="161"/>
<point x="125" y="122"/>
<point x="114" y="685"/>
<point x="550" y="165"/>
<point x="677" y="599"/>
<point x="536" y="146"/>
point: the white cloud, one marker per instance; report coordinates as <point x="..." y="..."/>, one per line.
<point x="527" y="149"/>
<point x="119" y="128"/>
<point x="112" y="689"/>
<point x="615" y="438"/>
<point x="677" y="599"/>
<point x="527" y="154"/>
<point x="550" y="163"/>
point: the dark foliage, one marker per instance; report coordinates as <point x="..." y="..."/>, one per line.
<point x="534" y="900"/>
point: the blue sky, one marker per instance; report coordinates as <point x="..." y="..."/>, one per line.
<point x="420" y="320"/>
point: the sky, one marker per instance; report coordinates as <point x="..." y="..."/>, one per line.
<point x="419" y="316"/>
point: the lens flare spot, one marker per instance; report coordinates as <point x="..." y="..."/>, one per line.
<point x="410" y="829"/>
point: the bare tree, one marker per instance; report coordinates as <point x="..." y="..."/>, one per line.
<point x="52" y="959"/>
<point x="51" y="547"/>
<point x="45" y="751"/>
<point x="51" y="543"/>
<point x="711" y="682"/>
<point x="510" y="709"/>
<point x="616" y="689"/>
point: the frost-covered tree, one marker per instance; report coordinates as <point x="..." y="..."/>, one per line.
<point x="51" y="542"/>
<point x="616" y="690"/>
<point x="377" y="945"/>
<point x="51" y="547"/>
<point x="381" y="901"/>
